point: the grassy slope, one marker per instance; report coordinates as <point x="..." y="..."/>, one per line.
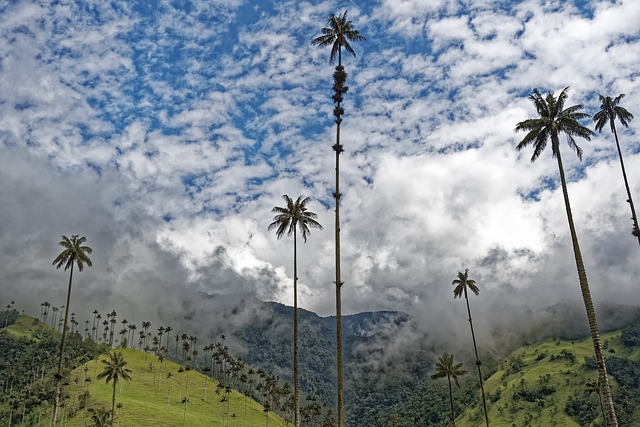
<point x="26" y="327"/>
<point x="147" y="402"/>
<point x="567" y="376"/>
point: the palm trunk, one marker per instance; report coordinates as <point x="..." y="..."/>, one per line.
<point x="586" y="296"/>
<point x="634" y="218"/>
<point x="113" y="402"/>
<point x="338" y="149"/>
<point x="56" y="398"/>
<point x="296" y="373"/>
<point x="478" y="363"/>
<point x="453" y="414"/>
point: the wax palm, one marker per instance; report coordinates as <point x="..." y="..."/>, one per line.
<point x="115" y="369"/>
<point x="610" y="110"/>
<point x="446" y="368"/>
<point x="592" y="386"/>
<point x="555" y="119"/>
<point x="74" y="253"/>
<point x="100" y="416"/>
<point x="337" y="35"/>
<point x="289" y="220"/>
<point x="462" y="283"/>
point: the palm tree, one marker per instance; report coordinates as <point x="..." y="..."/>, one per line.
<point x="115" y="369"/>
<point x="609" y="112"/>
<point x="462" y="283"/>
<point x="446" y="368"/>
<point x="74" y="253"/>
<point x="100" y="416"/>
<point x="592" y="386"/>
<point x="555" y="119"/>
<point x="290" y="219"/>
<point x="337" y="34"/>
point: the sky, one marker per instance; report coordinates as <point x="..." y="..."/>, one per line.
<point x="166" y="131"/>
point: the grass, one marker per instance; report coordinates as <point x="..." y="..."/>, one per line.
<point x="26" y="327"/>
<point x="541" y="367"/>
<point x="146" y="401"/>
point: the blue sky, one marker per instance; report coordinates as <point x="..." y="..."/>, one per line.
<point x="166" y="131"/>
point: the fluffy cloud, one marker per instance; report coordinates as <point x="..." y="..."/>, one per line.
<point x="166" y="136"/>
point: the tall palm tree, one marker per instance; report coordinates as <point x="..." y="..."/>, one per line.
<point x="337" y="34"/>
<point x="610" y="110"/>
<point x="554" y="119"/>
<point x="290" y="219"/>
<point x="446" y="368"/>
<point x="462" y="283"/>
<point x="115" y="369"/>
<point x="74" y="253"/>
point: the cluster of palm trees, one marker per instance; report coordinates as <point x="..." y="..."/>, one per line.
<point x="295" y="216"/>
<point x="554" y="119"/>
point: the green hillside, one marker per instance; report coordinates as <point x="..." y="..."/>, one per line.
<point x="540" y="385"/>
<point x="26" y="327"/>
<point x="154" y="399"/>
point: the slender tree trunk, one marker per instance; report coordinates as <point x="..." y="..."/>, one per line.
<point x="634" y="218"/>
<point x="56" y="398"/>
<point x="586" y="296"/>
<point x="478" y="363"/>
<point x="113" y="402"/>
<point x="453" y="414"/>
<point x="296" y="373"/>
<point x="338" y="149"/>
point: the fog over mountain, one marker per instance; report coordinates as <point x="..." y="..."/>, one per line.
<point x="165" y="136"/>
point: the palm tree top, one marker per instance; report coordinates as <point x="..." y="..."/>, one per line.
<point x="610" y="110"/>
<point x="554" y="119"/>
<point x="338" y="34"/>
<point x="462" y="282"/>
<point x="74" y="252"/>
<point x="446" y="369"/>
<point x="115" y="368"/>
<point x="294" y="214"/>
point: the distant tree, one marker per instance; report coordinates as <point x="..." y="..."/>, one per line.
<point x="610" y="110"/>
<point x="553" y="120"/>
<point x="290" y="219"/>
<point x="462" y="283"/>
<point x="167" y="330"/>
<point x="115" y="369"/>
<point x="446" y="368"/>
<point x="591" y="387"/>
<point x="338" y="34"/>
<point x="74" y="253"/>
<point x="100" y="416"/>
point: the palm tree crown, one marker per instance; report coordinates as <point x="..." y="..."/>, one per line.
<point x="446" y="369"/>
<point x="337" y="35"/>
<point x="554" y="119"/>
<point x="610" y="110"/>
<point x="294" y="215"/>
<point x="462" y="283"/>
<point x="74" y="252"/>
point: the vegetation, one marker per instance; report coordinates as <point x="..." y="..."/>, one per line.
<point x="462" y="283"/>
<point x="74" y="253"/>
<point x="610" y="110"/>
<point x="553" y="120"/>
<point x="290" y="219"/>
<point x="337" y="34"/>
<point x="446" y="369"/>
<point x="115" y="369"/>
